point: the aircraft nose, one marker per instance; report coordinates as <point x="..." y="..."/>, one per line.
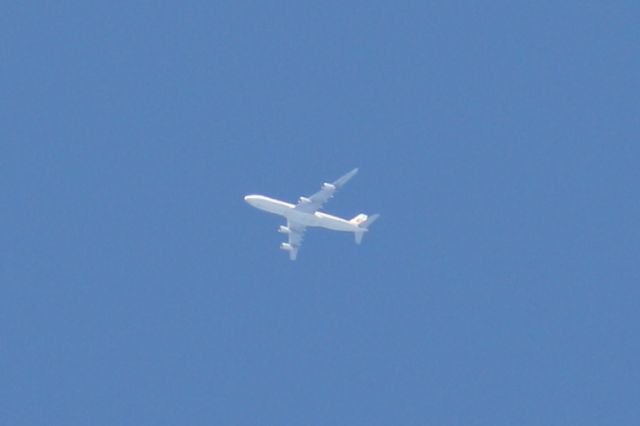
<point x="253" y="200"/>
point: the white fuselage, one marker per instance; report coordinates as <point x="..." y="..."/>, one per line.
<point x="288" y="210"/>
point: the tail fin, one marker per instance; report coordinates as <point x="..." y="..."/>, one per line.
<point x="359" y="219"/>
<point x="363" y="221"/>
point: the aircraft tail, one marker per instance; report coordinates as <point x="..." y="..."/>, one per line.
<point x="359" y="219"/>
<point x="363" y="221"/>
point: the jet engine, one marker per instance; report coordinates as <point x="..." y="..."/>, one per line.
<point x="286" y="247"/>
<point x="328" y="186"/>
<point x="284" y="230"/>
<point x="304" y="200"/>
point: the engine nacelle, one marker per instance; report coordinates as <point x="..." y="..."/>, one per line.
<point x="328" y="186"/>
<point x="286" y="247"/>
<point x="284" y="230"/>
<point x="304" y="200"/>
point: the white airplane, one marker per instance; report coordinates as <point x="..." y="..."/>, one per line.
<point x="306" y="213"/>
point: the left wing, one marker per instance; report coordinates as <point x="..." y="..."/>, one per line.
<point x="296" y="235"/>
<point x="317" y="200"/>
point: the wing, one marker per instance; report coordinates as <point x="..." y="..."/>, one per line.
<point x="296" y="235"/>
<point x="317" y="200"/>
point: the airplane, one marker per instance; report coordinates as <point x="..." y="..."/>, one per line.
<point x="306" y="214"/>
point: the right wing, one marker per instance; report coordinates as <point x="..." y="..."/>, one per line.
<point x="317" y="200"/>
<point x="296" y="235"/>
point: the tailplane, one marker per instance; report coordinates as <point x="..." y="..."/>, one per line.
<point x="363" y="221"/>
<point x="369" y="220"/>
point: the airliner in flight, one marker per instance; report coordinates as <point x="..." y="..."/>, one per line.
<point x="306" y="214"/>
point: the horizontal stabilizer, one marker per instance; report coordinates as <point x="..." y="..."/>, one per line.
<point x="367" y="223"/>
<point x="364" y="222"/>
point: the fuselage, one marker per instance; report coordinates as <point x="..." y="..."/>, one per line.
<point x="288" y="210"/>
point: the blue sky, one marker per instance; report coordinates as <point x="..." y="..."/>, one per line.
<point x="499" y="140"/>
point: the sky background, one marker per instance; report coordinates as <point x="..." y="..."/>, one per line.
<point x="498" y="139"/>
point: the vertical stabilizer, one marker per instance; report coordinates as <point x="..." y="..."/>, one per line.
<point x="361" y="218"/>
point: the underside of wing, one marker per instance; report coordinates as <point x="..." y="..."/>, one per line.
<point x="316" y="201"/>
<point x="296" y="235"/>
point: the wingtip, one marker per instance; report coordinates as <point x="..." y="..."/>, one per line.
<point x="352" y="173"/>
<point x="345" y="178"/>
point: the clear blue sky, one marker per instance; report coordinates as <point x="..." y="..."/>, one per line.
<point x="499" y="140"/>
